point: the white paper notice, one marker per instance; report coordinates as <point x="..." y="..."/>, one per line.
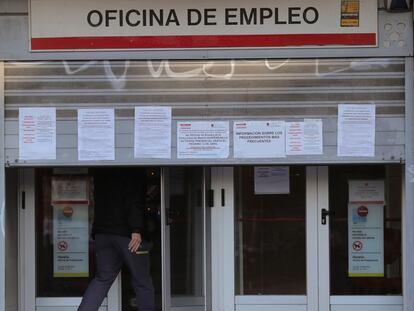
<point x="366" y="191"/>
<point x="203" y="140"/>
<point x="70" y="240"/>
<point x="356" y="130"/>
<point x="37" y="133"/>
<point x="366" y="228"/>
<point x="70" y="189"/>
<point x="152" y="132"/>
<point x="259" y="139"/>
<point x="96" y="134"/>
<point x="366" y="240"/>
<point x="304" y="138"/>
<point x="271" y="180"/>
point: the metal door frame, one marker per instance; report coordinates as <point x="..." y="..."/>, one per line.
<point x="184" y="303"/>
<point x="328" y="302"/>
<point x="28" y="300"/>
<point x="308" y="302"/>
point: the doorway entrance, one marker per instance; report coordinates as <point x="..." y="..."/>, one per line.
<point x="296" y="242"/>
<point x="236" y="239"/>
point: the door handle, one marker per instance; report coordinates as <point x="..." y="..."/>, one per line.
<point x="324" y="214"/>
<point x="210" y="198"/>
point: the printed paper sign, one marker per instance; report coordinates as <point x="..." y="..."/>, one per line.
<point x="96" y="134"/>
<point x="203" y="140"/>
<point x="271" y="180"/>
<point x="70" y="240"/>
<point x="37" y="133"/>
<point x="70" y="190"/>
<point x="259" y="139"/>
<point x="367" y="191"/>
<point x="161" y="24"/>
<point x="366" y="240"/>
<point x="356" y="130"/>
<point x="304" y="138"/>
<point x="366" y="228"/>
<point x="152" y="132"/>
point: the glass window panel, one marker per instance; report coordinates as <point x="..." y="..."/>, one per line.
<point x="186" y="222"/>
<point x="50" y="286"/>
<point x="47" y="284"/>
<point x="270" y="236"/>
<point x="341" y="283"/>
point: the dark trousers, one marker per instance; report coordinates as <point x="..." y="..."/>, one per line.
<point x="111" y="253"/>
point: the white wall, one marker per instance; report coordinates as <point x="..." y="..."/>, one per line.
<point x="11" y="241"/>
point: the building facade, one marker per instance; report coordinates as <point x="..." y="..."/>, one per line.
<point x="275" y="142"/>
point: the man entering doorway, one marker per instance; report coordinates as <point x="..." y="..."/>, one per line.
<point x="118" y="225"/>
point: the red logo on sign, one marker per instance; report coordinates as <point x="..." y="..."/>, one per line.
<point x="357" y="246"/>
<point x="62" y="245"/>
<point x="362" y="211"/>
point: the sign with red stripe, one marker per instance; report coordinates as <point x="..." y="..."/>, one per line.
<point x="185" y="24"/>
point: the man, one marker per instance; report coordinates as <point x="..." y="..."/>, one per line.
<point x="118" y="225"/>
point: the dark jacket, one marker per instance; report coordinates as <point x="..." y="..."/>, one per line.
<point x="119" y="201"/>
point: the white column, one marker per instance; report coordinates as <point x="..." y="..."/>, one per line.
<point x="408" y="206"/>
<point x="323" y="240"/>
<point x="222" y="240"/>
<point x="2" y="198"/>
<point x="27" y="241"/>
<point x="312" y="277"/>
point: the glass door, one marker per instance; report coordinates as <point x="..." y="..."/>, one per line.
<point x="56" y="250"/>
<point x="360" y="236"/>
<point x="317" y="238"/>
<point x="186" y="246"/>
<point x="56" y="254"/>
<point x="271" y="271"/>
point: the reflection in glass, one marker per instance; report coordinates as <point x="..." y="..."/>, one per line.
<point x="391" y="283"/>
<point x="270" y="236"/>
<point x="185" y="218"/>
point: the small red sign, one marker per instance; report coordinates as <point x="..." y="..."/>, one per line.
<point x="62" y="245"/>
<point x="362" y="211"/>
<point x="357" y="246"/>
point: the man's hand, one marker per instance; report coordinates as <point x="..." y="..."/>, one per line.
<point x="135" y="242"/>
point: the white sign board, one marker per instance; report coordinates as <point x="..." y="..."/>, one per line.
<point x="366" y="191"/>
<point x="366" y="240"/>
<point x="96" y="134"/>
<point x="366" y="228"/>
<point x="70" y="240"/>
<point x="75" y="189"/>
<point x="304" y="138"/>
<point x="356" y="130"/>
<point x="259" y="139"/>
<point x="162" y="24"/>
<point x="37" y="133"/>
<point x="203" y="140"/>
<point x="271" y="180"/>
<point x="152" y="132"/>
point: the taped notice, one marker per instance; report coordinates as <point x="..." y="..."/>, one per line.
<point x="304" y="138"/>
<point x="365" y="240"/>
<point x="271" y="180"/>
<point x="203" y="140"/>
<point x="259" y="139"/>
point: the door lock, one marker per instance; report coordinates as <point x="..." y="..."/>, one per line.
<point x="324" y="214"/>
